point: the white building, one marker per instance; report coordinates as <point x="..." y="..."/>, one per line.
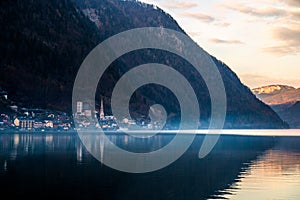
<point x="88" y="113"/>
<point x="79" y="106"/>
<point x="26" y="123"/>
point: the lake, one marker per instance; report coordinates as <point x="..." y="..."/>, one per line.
<point x="261" y="165"/>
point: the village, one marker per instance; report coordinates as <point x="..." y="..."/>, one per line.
<point x="16" y="118"/>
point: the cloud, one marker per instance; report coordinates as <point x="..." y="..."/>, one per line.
<point x="291" y="2"/>
<point x="199" y="16"/>
<point x="223" y="24"/>
<point x="286" y="12"/>
<point x="179" y="5"/>
<point x="291" y="36"/>
<point x="221" y="41"/>
<point x="206" y="18"/>
<point x="256" y="80"/>
<point x="194" y="34"/>
<point x="286" y="39"/>
<point x="289" y="41"/>
<point x="282" y="50"/>
<point x="262" y="12"/>
<point x="295" y="15"/>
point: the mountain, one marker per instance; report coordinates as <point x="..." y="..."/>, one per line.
<point x="291" y="114"/>
<point x="283" y="99"/>
<point x="277" y="94"/>
<point x="43" y="44"/>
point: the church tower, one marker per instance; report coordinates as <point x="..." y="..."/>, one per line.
<point x="101" y="109"/>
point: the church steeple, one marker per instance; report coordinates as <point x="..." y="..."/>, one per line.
<point x="101" y="109"/>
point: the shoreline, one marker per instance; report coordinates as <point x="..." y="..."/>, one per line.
<point x="232" y="132"/>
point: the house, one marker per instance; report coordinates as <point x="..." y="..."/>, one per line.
<point x="4" y="94"/>
<point x="38" y="124"/>
<point x="16" y="122"/>
<point x="14" y="108"/>
<point x="26" y="123"/>
<point x="49" y="124"/>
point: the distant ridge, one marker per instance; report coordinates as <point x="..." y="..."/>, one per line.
<point x="284" y="99"/>
<point x="277" y="94"/>
<point x="272" y="89"/>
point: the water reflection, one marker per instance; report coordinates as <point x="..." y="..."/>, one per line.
<point x="239" y="167"/>
<point x="274" y="175"/>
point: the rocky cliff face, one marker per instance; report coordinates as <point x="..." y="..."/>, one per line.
<point x="277" y="94"/>
<point x="43" y="44"/>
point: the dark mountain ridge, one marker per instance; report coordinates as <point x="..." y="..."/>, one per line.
<point x="44" y="42"/>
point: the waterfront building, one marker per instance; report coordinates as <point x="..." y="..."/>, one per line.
<point x="4" y="94"/>
<point x="26" y="123"/>
<point x="88" y="113"/>
<point x="79" y="106"/>
<point x="16" y="122"/>
<point x="38" y="124"/>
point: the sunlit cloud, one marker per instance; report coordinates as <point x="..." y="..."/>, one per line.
<point x="205" y="18"/>
<point x="199" y="16"/>
<point x="286" y="39"/>
<point x="268" y="30"/>
<point x="291" y="2"/>
<point x="178" y="4"/>
<point x="295" y="15"/>
<point x="221" y="41"/>
<point x="194" y="34"/>
<point x="257" y="12"/>
<point x="256" y="80"/>
<point x="282" y="50"/>
<point x="268" y="10"/>
<point x="222" y="24"/>
<point x="289" y="41"/>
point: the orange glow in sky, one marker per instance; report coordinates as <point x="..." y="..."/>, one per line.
<point x="259" y="39"/>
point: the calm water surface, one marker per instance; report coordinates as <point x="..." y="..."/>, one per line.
<point x="58" y="166"/>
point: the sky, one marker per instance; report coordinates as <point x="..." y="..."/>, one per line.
<point x="258" y="39"/>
